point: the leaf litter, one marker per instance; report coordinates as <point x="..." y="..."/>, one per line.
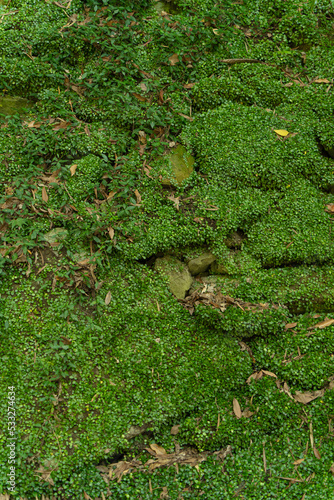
<point x="161" y="458"/>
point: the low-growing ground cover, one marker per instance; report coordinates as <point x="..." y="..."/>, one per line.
<point x="115" y="387"/>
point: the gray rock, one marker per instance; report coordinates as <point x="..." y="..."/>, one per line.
<point x="201" y="263"/>
<point x="177" y="273"/>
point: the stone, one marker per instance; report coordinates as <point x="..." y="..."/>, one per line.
<point x="218" y="268"/>
<point x="56" y="235"/>
<point x="201" y="263"/>
<point x="12" y="105"/>
<point x="177" y="273"/>
<point x="182" y="165"/>
<point x="235" y="240"/>
<point x="163" y="8"/>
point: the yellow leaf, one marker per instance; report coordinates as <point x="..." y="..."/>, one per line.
<point x="282" y="133"/>
<point x="215" y="30"/>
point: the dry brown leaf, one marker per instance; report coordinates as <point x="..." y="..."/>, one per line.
<point x="306" y="397"/>
<point x="150" y="485"/>
<point x="158" y="449"/>
<point x="176" y="201"/>
<point x="161" y="97"/>
<point x="290" y="325"/>
<point x="316" y="452"/>
<point x="111" y="233"/>
<point x="299" y="461"/>
<point x="321" y="80"/>
<point x="143" y="86"/>
<point x="189" y="85"/>
<point x="164" y="493"/>
<point x="255" y="376"/>
<point x="332" y="469"/>
<point x="186" y="116"/>
<point x="46" y="474"/>
<point x="236" y="408"/>
<point x="323" y="324"/>
<point x="247" y="413"/>
<point x="138" y="197"/>
<point x="175" y="430"/>
<point x="44" y="195"/>
<point x="121" y="469"/>
<point x="73" y="169"/>
<point x="270" y="374"/>
<point x="140" y="97"/>
<point x="107" y="300"/>
<point x="174" y="59"/>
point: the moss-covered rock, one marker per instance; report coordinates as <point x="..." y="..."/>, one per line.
<point x="201" y="263"/>
<point x="56" y="235"/>
<point x="11" y="105"/>
<point x="181" y="164"/>
<point x="177" y="273"/>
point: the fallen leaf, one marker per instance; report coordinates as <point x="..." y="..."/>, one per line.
<point x="65" y="340"/>
<point x="175" y="430"/>
<point x="332" y="469"/>
<point x="323" y="324"/>
<point x="176" y="201"/>
<point x="143" y="86"/>
<point x="236" y="408"/>
<point x="255" y="376"/>
<point x="138" y="197"/>
<point x="111" y="233"/>
<point x="164" y="493"/>
<point x="186" y="116"/>
<point x="107" y="300"/>
<point x="121" y="469"/>
<point x="270" y="374"/>
<point x="161" y="97"/>
<point x="316" y="453"/>
<point x="299" y="461"/>
<point x="158" y="449"/>
<point x="282" y="133"/>
<point x="73" y="169"/>
<point x="215" y="31"/>
<point x="174" y="59"/>
<point x="44" y="195"/>
<point x="290" y="325"/>
<point x="306" y="397"/>
<point x="189" y="85"/>
<point x="247" y="413"/>
<point x="140" y="97"/>
<point x="321" y="80"/>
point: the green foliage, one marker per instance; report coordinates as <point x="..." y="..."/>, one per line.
<point x="93" y="340"/>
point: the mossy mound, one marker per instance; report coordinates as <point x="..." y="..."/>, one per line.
<point x="11" y="105"/>
<point x="127" y="364"/>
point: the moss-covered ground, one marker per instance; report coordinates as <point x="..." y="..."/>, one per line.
<point x="110" y="386"/>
